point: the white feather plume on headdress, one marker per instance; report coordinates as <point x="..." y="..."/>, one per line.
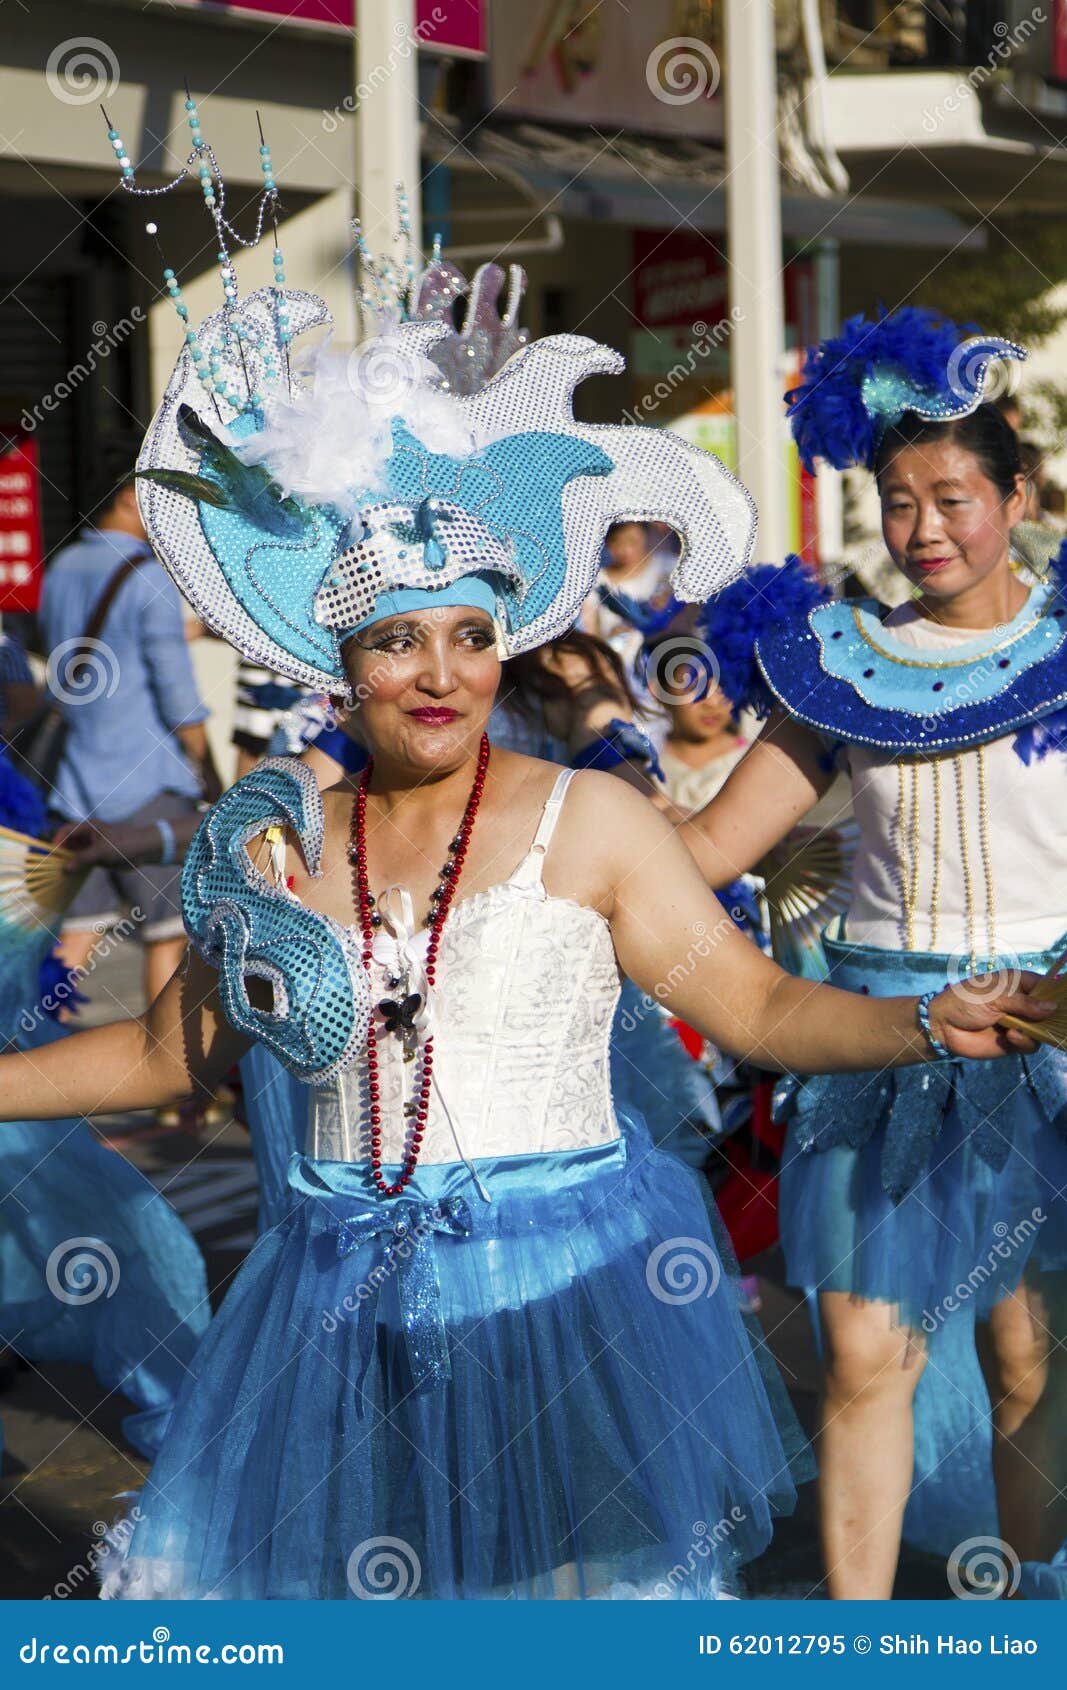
<point x="328" y="442"/>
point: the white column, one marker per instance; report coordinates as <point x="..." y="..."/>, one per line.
<point x="754" y="250"/>
<point x="387" y="112"/>
<point x="829" y="484"/>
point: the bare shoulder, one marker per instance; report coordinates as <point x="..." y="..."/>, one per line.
<point x="606" y="829"/>
<point x="602" y="801"/>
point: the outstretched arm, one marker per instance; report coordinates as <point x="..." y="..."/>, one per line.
<point x="675" y="940"/>
<point x="180" y="1047"/>
<point x="774" y="785"/>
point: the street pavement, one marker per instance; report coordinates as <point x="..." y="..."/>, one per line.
<point x="66" y="1461"/>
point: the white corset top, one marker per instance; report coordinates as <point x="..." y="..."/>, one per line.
<point x="526" y="988"/>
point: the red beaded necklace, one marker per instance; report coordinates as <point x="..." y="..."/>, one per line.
<point x="441" y="902"/>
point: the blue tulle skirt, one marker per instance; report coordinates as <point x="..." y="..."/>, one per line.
<point x="96" y="1267"/>
<point x="550" y="1394"/>
<point x="275" y="1112"/>
<point x="654" y="1077"/>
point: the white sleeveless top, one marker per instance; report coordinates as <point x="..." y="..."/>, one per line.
<point x="1026" y="829"/>
<point x="526" y="990"/>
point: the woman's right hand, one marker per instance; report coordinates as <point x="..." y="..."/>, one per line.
<point x="966" y="1017"/>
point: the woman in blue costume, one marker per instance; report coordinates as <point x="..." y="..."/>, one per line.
<point x="95" y="1266"/>
<point x="489" y="1353"/>
<point x="567" y="702"/>
<point x="926" y="1209"/>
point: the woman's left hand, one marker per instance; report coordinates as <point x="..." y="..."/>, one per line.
<point x="965" y="1017"/>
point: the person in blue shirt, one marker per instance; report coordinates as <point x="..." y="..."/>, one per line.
<point x="19" y="696"/>
<point x="136" y="748"/>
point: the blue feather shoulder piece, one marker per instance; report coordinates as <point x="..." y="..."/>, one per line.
<point x="764" y="595"/>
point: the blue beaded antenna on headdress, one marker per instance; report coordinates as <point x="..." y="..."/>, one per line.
<point x="285" y="502"/>
<point x="856" y="384"/>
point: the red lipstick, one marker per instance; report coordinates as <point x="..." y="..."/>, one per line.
<point x="436" y="715"/>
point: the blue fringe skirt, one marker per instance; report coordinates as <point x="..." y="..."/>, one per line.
<point x="935" y="1190"/>
<point x="548" y="1394"/>
<point x="904" y="1186"/>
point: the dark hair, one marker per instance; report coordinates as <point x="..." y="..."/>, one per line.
<point x="985" y="434"/>
<point x="627" y="522"/>
<point x="533" y="684"/>
<point x="112" y="470"/>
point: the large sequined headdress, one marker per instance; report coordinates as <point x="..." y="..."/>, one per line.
<point x="285" y="494"/>
<point x="856" y="384"/>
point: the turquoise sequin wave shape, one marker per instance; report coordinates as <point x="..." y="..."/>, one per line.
<point x="275" y="554"/>
<point x="247" y="928"/>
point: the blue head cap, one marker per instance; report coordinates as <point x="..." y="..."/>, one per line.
<point x="857" y="384"/>
<point x="476" y="591"/>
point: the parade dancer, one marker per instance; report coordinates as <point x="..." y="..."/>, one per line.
<point x="95" y="1266"/>
<point x="916" y="1203"/>
<point x="470" y="1336"/>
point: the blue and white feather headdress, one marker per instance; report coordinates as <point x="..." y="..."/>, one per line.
<point x="860" y="382"/>
<point x="284" y="495"/>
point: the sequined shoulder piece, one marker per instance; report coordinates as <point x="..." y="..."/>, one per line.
<point x="246" y="927"/>
<point x="842" y="672"/>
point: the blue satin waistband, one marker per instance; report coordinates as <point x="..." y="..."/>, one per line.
<point x="887" y="974"/>
<point x="533" y="1173"/>
<point x="440" y="1201"/>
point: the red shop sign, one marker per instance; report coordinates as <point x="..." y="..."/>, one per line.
<point x="20" y="519"/>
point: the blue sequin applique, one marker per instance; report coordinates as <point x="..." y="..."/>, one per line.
<point x="244" y="926"/>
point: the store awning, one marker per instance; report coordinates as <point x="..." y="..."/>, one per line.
<point x="659" y="184"/>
